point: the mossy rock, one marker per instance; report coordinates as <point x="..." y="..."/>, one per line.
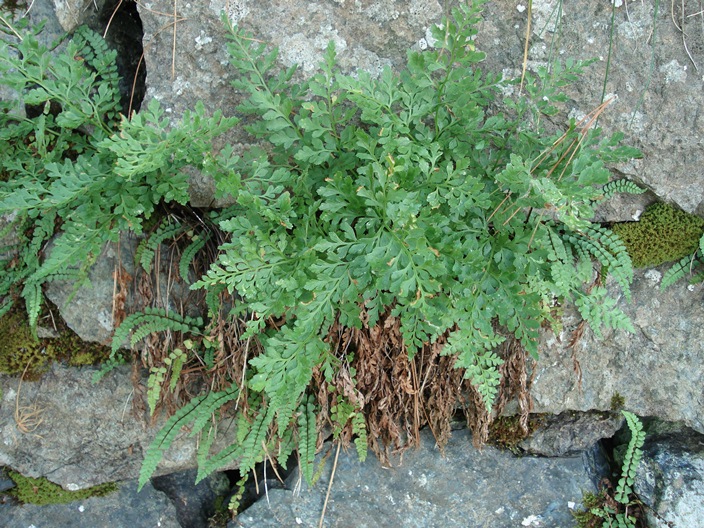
<point x="662" y="234"/>
<point x="20" y="348"/>
<point x="41" y="491"/>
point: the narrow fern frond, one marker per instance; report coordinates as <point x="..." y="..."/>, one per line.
<point x="680" y="269"/>
<point x="147" y="247"/>
<point x="631" y="459"/>
<point x="165" y="437"/>
<point x="307" y="436"/>
<point x="189" y="254"/>
<point x="621" y="185"/>
<point x="152" y="320"/>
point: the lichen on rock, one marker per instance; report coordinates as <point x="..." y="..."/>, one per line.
<point x="662" y="234"/>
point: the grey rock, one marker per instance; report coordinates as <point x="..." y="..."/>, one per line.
<point x="570" y="433"/>
<point x="670" y="479"/>
<point x="466" y="487"/>
<point x="89" y="310"/>
<point x="656" y="86"/>
<point x="126" y="508"/>
<point x="656" y="370"/>
<point x="88" y="434"/>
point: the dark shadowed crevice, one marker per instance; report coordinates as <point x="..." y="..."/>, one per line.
<point x="124" y="34"/>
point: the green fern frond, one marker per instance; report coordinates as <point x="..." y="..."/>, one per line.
<point x="165" y="437"/>
<point x="608" y="250"/>
<point x="307" y="436"/>
<point x="600" y="310"/>
<point x="631" y="458"/>
<point x="189" y="254"/>
<point x="152" y="320"/>
<point x="622" y="185"/>
<point x="198" y="410"/>
<point x="681" y="269"/>
<point x="147" y="247"/>
<point x="359" y="428"/>
<point x="32" y="294"/>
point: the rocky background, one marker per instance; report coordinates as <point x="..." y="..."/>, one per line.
<point x="656" y="77"/>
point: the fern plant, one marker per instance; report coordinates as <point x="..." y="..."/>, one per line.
<point x="75" y="172"/>
<point x="691" y="266"/>
<point x="613" y="512"/>
<point x="402" y="196"/>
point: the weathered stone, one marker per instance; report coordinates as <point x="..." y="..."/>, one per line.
<point x="570" y="433"/>
<point x="655" y="371"/>
<point x="85" y="433"/>
<point x="124" y="508"/>
<point x="89" y="310"/>
<point x="467" y="487"/>
<point x="656" y="86"/>
<point x="670" y="479"/>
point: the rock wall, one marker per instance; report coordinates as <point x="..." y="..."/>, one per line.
<point x="659" y="96"/>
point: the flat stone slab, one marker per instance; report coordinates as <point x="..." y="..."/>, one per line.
<point x="466" y="487"/>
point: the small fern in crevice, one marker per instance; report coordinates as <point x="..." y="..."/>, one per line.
<point x="691" y="266"/>
<point x="619" y="507"/>
<point x="75" y="172"/>
<point x="139" y="325"/>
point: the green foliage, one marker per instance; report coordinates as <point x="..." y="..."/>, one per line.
<point x="78" y="173"/>
<point x="142" y="324"/>
<point x="400" y="193"/>
<point x="662" y="234"/>
<point x="157" y="375"/>
<point x="197" y="412"/>
<point x="613" y="511"/>
<point x="399" y="196"/>
<point x="631" y="459"/>
<point x="41" y="491"/>
<point x="692" y="265"/>
<point x="621" y="185"/>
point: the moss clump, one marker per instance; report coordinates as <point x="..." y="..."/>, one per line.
<point x="19" y="347"/>
<point x="618" y="402"/>
<point x="41" y="491"/>
<point x="505" y="432"/>
<point x="663" y="234"/>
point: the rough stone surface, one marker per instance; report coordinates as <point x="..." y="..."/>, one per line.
<point x="670" y="479"/>
<point x="87" y="435"/>
<point x="657" y="88"/>
<point x="89" y="311"/>
<point x="656" y="370"/>
<point x="570" y="433"/>
<point x="126" y="508"/>
<point x="465" y="488"/>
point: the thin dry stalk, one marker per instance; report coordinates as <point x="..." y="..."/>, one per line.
<point x="332" y="477"/>
<point x="28" y="417"/>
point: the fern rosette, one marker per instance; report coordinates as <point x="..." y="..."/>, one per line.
<point x="400" y="198"/>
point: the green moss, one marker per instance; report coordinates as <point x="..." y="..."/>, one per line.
<point x="663" y="234"/>
<point x="19" y="348"/>
<point x="617" y="402"/>
<point x="505" y="431"/>
<point x="41" y="491"/>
